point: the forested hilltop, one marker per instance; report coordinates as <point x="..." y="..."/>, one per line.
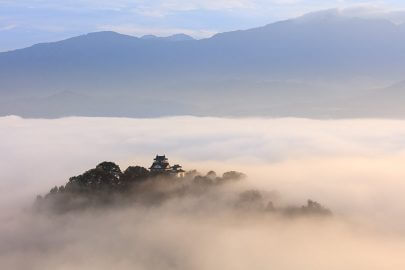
<point x="107" y="186"/>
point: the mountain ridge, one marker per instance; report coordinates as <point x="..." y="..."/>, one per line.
<point x="329" y="55"/>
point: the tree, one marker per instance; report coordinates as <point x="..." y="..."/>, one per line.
<point x="135" y="174"/>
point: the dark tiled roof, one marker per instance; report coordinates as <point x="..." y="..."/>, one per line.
<point x="161" y="163"/>
<point x="160" y="158"/>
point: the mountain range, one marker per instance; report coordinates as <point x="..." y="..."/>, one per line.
<point x="318" y="65"/>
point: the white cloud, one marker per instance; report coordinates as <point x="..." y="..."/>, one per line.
<point x="136" y="30"/>
<point x="355" y="167"/>
<point x="8" y="27"/>
<point x="41" y="153"/>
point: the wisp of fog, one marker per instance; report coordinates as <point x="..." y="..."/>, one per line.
<point x="353" y="167"/>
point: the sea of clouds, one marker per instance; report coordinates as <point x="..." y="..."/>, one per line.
<point x="354" y="167"/>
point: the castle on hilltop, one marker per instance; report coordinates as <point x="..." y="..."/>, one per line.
<point x="161" y="165"/>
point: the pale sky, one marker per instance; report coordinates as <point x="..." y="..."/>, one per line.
<point x="26" y="22"/>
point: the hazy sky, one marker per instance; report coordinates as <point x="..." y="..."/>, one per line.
<point x="25" y="22"/>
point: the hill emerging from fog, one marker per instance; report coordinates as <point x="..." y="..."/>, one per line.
<point x="107" y="186"/>
<point x="318" y="65"/>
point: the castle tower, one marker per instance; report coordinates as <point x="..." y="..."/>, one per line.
<point x="160" y="164"/>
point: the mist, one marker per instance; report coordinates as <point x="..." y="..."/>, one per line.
<point x="353" y="167"/>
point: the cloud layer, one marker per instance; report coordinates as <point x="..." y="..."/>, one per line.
<point x="354" y="167"/>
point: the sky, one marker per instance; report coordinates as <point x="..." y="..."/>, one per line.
<point x="26" y="22"/>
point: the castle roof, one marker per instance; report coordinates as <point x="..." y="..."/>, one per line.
<point x="161" y="164"/>
<point x="160" y="158"/>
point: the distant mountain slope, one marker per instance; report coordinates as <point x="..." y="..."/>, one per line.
<point x="320" y="50"/>
<point x="176" y="37"/>
<point x="383" y="102"/>
<point x="307" y="48"/>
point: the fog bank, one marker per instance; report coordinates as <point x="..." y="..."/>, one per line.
<point x="354" y="167"/>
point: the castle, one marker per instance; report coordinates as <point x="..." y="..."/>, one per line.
<point x="161" y="165"/>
